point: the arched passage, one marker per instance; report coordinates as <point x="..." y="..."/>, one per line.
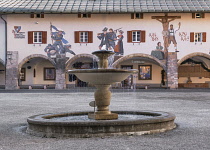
<point x="36" y="71"/>
<point x="139" y="55"/>
<point x="80" y="61"/>
<point x="2" y="74"/>
<point x="80" y="58"/>
<point x="194" y="71"/>
<point x="35" y="56"/>
<point x="197" y="54"/>
<point x="151" y="70"/>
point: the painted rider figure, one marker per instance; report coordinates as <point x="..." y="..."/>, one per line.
<point x="58" y="41"/>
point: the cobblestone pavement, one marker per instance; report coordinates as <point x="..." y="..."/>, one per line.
<point x="191" y="107"/>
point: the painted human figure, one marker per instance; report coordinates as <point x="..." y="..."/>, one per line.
<point x="165" y="22"/>
<point x="112" y="38"/>
<point x="171" y="36"/>
<point x="119" y="47"/>
<point x="66" y="49"/>
<point x="50" y="50"/>
<point x="158" y="52"/>
<point x="104" y="37"/>
<point x="159" y="47"/>
<point x="58" y="41"/>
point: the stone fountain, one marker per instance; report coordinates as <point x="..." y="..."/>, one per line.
<point x="102" y="78"/>
<point x="103" y="121"/>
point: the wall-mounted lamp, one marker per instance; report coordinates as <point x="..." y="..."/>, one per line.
<point x="9" y="55"/>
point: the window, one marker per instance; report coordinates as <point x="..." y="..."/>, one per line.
<point x="198" y="15"/>
<point x="41" y="15"/>
<point x="137" y="16"/>
<point x="197" y="36"/>
<point x="23" y="74"/>
<point x="83" y="36"/>
<point x="136" y="36"/>
<point x="145" y="72"/>
<point x="49" y="73"/>
<point x="37" y="37"/>
<point x="85" y="15"/>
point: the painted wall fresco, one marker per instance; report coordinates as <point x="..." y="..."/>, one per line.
<point x="58" y="41"/>
<point x="169" y="36"/>
<point x="111" y="41"/>
<point x="17" y="34"/>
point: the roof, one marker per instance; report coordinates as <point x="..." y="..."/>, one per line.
<point x="103" y="6"/>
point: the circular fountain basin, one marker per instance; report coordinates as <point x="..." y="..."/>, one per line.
<point x="77" y="124"/>
<point x="102" y="76"/>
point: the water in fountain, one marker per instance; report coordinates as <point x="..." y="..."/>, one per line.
<point x="110" y="61"/>
<point x="95" y="64"/>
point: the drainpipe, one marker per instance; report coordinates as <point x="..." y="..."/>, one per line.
<point x="5" y="22"/>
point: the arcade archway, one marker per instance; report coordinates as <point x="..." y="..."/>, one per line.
<point x="37" y="71"/>
<point x="151" y="70"/>
<point x="80" y="61"/>
<point x="2" y="74"/>
<point x="194" y="71"/>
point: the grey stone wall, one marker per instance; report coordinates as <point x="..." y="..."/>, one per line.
<point x="172" y="70"/>
<point x="60" y="82"/>
<point x="11" y="82"/>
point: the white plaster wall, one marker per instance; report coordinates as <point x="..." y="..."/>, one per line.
<point x="70" y="23"/>
<point x="2" y="40"/>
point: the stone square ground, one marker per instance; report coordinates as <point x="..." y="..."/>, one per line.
<point x="191" y="107"/>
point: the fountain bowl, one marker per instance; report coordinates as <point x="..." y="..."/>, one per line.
<point x="128" y="123"/>
<point x="102" y="76"/>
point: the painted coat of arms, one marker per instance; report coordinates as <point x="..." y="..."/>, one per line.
<point x="17" y="33"/>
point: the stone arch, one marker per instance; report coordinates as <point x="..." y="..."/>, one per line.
<point x="73" y="59"/>
<point x="193" y="55"/>
<point x="35" y="56"/>
<point x="139" y="55"/>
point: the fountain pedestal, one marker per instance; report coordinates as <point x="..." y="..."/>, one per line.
<point x="102" y="101"/>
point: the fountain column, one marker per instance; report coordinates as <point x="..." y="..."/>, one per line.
<point x="103" y="94"/>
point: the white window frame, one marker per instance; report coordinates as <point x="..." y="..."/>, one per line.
<point x="198" y="36"/>
<point x="83" y="37"/>
<point x="37" y="37"/>
<point x="135" y="36"/>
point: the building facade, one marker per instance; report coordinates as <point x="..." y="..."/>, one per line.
<point x="168" y="43"/>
